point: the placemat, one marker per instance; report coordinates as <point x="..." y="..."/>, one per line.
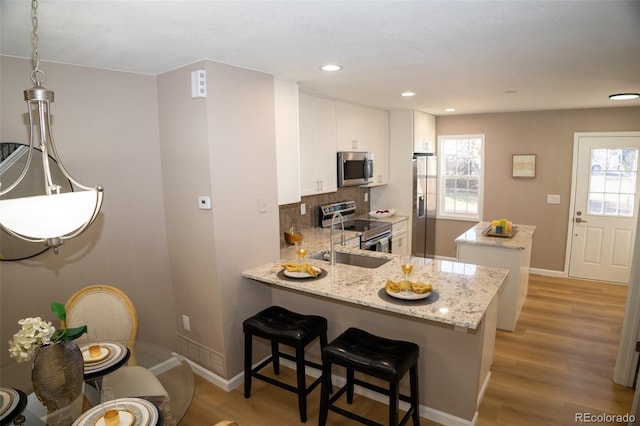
<point x="434" y="296"/>
<point x="281" y="276"/>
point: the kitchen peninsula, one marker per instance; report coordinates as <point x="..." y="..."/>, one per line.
<point x="454" y="327"/>
<point x="513" y="253"/>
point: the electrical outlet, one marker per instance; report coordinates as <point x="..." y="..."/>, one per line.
<point x="303" y="209"/>
<point x="366" y="197"/>
<point x="186" y="323"/>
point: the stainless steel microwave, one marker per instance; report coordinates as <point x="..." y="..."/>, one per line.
<point x="355" y="168"/>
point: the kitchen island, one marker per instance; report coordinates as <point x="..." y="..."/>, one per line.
<point x="513" y="253"/>
<point x="454" y="327"/>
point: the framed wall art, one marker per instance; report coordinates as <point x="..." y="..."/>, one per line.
<point x="524" y="165"/>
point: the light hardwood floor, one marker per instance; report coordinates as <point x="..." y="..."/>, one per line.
<point x="558" y="362"/>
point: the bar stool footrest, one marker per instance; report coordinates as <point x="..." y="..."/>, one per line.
<point x="364" y="420"/>
<point x="255" y="372"/>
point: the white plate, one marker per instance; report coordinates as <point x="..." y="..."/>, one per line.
<point x="144" y="413"/>
<point x="88" y="359"/>
<point x="9" y="399"/>
<point x="408" y="295"/>
<point x="126" y="419"/>
<point x="301" y="274"/>
<point x="385" y="215"/>
<point x="117" y="351"/>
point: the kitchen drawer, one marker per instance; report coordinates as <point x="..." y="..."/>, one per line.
<point x="399" y="227"/>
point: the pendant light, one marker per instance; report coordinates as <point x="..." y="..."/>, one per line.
<point x="54" y="216"/>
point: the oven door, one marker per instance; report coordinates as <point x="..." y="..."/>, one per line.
<point x="381" y="244"/>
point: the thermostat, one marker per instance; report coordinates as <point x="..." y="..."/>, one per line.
<point x="204" y="203"/>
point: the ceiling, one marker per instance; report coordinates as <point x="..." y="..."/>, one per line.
<point x="476" y="56"/>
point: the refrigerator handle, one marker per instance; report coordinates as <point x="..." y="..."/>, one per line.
<point x="420" y="206"/>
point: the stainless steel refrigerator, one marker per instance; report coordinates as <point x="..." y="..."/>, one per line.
<point x="425" y="172"/>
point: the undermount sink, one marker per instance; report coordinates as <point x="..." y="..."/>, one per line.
<point x="353" y="259"/>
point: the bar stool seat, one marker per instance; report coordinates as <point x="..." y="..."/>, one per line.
<point x="281" y="326"/>
<point x="385" y="359"/>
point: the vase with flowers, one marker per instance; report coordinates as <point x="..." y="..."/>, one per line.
<point x="58" y="368"/>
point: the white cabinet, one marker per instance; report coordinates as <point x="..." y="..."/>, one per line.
<point x="424" y="132"/>
<point x="399" y="239"/>
<point x="377" y="136"/>
<point x="287" y="141"/>
<point x="353" y="242"/>
<point x="318" y="170"/>
<point x="351" y="122"/>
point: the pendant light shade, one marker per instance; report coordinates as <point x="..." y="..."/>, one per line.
<point x="54" y="216"/>
<point x="49" y="217"/>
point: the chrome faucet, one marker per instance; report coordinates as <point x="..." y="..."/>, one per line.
<point x="333" y="249"/>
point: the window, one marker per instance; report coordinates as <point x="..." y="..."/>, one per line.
<point x="612" y="184"/>
<point x="461" y="167"/>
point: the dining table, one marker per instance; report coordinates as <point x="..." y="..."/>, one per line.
<point x="170" y="368"/>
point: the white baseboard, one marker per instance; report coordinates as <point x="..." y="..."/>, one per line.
<point x="426" y="412"/>
<point x="211" y="377"/>
<point x="548" y="272"/>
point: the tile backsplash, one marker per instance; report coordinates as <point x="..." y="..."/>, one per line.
<point x="290" y="213"/>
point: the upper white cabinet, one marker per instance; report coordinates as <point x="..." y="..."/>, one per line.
<point x="424" y="128"/>
<point x="351" y="127"/>
<point x="287" y="141"/>
<point x="318" y="170"/>
<point x="377" y="137"/>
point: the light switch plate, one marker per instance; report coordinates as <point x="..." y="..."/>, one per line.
<point x="262" y="204"/>
<point x="553" y="199"/>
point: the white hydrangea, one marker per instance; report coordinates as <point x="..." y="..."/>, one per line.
<point x="34" y="333"/>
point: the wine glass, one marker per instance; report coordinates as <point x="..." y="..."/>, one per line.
<point x="406" y="264"/>
<point x="110" y="413"/>
<point x="301" y="250"/>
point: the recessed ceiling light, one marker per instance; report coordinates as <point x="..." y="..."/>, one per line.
<point x="407" y="94"/>
<point x="624" y="96"/>
<point x="331" y="67"/>
<point x="449" y="109"/>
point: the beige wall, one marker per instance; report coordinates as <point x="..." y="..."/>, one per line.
<point x="223" y="147"/>
<point x="105" y="125"/>
<point x="156" y="150"/>
<point x="549" y="135"/>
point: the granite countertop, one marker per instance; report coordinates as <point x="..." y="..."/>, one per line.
<point x="520" y="240"/>
<point x="462" y="292"/>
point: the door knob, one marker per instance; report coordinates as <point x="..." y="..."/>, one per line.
<point x="579" y="220"/>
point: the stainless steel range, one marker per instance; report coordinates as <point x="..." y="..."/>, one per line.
<point x="375" y="235"/>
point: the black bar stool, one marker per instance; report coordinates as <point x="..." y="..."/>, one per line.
<point x="281" y="326"/>
<point x="385" y="359"/>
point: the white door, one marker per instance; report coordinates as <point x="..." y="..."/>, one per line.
<point x="605" y="206"/>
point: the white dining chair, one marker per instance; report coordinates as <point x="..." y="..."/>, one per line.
<point x="110" y="315"/>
